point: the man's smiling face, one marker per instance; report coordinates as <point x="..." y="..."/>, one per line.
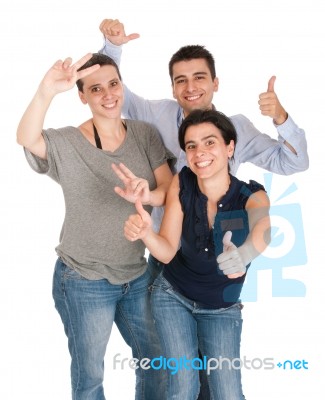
<point x="193" y="86"/>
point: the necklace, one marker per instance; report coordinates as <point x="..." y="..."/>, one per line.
<point x="97" y="138"/>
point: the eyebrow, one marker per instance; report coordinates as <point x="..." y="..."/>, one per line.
<point x="204" y="138"/>
<point x="195" y="73"/>
<point x="100" y="84"/>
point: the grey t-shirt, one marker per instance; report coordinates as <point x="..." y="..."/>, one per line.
<point x="92" y="240"/>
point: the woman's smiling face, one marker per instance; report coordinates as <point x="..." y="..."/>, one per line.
<point x="207" y="153"/>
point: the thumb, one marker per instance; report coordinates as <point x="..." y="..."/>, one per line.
<point x="141" y="211"/>
<point x="132" y="36"/>
<point x="270" y="86"/>
<point x="226" y="241"/>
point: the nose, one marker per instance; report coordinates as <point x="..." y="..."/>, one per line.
<point x="191" y="86"/>
<point x="200" y="151"/>
<point x="107" y="93"/>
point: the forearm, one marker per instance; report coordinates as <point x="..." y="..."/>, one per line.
<point x="29" y="131"/>
<point x="158" y="195"/>
<point x="255" y="244"/>
<point x="159" y="247"/>
<point x="163" y="177"/>
<point x="260" y="234"/>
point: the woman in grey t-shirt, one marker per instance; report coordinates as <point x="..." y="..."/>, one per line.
<point x="100" y="277"/>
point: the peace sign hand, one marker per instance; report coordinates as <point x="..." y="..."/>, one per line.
<point x="63" y="75"/>
<point x="134" y="188"/>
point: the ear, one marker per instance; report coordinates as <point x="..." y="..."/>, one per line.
<point x="216" y="84"/>
<point x="82" y="97"/>
<point x="231" y="148"/>
<point x="173" y="90"/>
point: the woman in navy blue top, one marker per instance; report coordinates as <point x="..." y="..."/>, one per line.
<point x="222" y="224"/>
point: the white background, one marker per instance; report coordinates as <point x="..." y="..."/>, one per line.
<point x="251" y="40"/>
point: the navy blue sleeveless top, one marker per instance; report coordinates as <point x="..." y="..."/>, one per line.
<point x="194" y="271"/>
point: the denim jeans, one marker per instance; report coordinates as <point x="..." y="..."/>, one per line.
<point x="184" y="329"/>
<point x="155" y="268"/>
<point x="88" y="310"/>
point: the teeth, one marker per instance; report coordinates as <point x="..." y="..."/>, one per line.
<point x="193" y="98"/>
<point x="203" y="164"/>
<point x="109" y="105"/>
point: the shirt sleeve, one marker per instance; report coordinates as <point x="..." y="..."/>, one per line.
<point x="112" y="51"/>
<point x="268" y="153"/>
<point x="40" y="165"/>
<point x="156" y="151"/>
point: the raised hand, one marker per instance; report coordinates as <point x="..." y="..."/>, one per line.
<point x="270" y="105"/>
<point x="134" y="187"/>
<point x="230" y="261"/>
<point x="138" y="225"/>
<point x="63" y="75"/>
<point x="113" y="30"/>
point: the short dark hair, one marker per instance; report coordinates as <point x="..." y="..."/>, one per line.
<point x="100" y="59"/>
<point x="191" y="52"/>
<point x="217" y="118"/>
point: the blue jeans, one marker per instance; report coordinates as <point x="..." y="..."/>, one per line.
<point x="88" y="310"/>
<point x="184" y="328"/>
<point x="156" y="268"/>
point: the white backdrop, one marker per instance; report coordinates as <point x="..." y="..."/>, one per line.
<point x="251" y="40"/>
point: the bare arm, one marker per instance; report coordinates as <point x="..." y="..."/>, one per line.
<point x="164" y="178"/>
<point x="257" y="206"/>
<point x="61" y="77"/>
<point x="164" y="245"/>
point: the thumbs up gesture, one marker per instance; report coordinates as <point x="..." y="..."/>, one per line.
<point x="138" y="225"/>
<point x="230" y="261"/>
<point x="270" y="105"/>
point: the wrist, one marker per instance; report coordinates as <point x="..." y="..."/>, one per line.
<point x="246" y="254"/>
<point x="148" y="200"/>
<point x="281" y="119"/>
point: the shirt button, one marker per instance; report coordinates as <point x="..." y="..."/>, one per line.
<point x="220" y="205"/>
<point x="206" y="249"/>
